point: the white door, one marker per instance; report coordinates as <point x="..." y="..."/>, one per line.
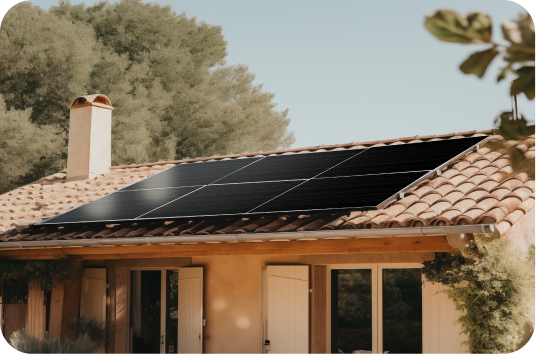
<point x="286" y="322"/>
<point x="190" y="326"/>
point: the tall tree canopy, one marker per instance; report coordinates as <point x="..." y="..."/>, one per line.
<point x="174" y="95"/>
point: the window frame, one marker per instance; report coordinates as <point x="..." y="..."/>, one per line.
<point x="377" y="299"/>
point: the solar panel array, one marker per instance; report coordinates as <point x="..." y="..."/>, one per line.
<point x="354" y="179"/>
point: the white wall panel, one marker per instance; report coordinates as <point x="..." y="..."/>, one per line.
<point x="441" y="333"/>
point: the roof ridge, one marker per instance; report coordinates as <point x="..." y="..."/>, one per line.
<point x="308" y="148"/>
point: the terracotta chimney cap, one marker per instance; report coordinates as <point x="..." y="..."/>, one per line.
<point x="92" y="100"/>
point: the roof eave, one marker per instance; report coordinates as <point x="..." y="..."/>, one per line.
<point x="249" y="237"/>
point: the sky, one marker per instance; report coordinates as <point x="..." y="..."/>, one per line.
<point x="360" y="70"/>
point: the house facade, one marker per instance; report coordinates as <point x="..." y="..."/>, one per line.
<point x="316" y="282"/>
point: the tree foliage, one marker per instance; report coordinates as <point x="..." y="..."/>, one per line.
<point x="519" y="61"/>
<point x="25" y="148"/>
<point x="165" y="73"/>
<point x="41" y="272"/>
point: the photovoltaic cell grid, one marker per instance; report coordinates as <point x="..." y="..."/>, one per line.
<point x="355" y="179"/>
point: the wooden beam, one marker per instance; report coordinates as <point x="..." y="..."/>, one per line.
<point x="110" y="309"/>
<point x="318" y="309"/>
<point x="121" y="311"/>
<point x="56" y="309"/>
<point x="71" y="300"/>
<point x="347" y="246"/>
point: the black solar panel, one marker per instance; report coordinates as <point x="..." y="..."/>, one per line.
<point x="290" y="167"/>
<point x="340" y="193"/>
<point x="355" y="179"/>
<point x="222" y="199"/>
<point x="192" y="174"/>
<point x="120" y="205"/>
<point x="402" y="158"/>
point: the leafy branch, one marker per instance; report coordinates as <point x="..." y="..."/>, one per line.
<point x="518" y="57"/>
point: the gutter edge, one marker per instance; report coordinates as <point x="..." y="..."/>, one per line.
<point x="257" y="237"/>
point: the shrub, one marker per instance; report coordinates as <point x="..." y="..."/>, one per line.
<point x="493" y="287"/>
<point x="27" y="343"/>
<point x="95" y="331"/>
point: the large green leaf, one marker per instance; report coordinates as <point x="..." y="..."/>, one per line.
<point x="449" y="26"/>
<point x="525" y="82"/>
<point x="478" y="62"/>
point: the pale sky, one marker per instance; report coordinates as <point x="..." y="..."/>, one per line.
<point x="359" y="70"/>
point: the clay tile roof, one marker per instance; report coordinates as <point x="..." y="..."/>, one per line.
<point x="480" y="187"/>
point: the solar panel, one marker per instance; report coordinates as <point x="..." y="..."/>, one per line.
<point x="354" y="179"/>
<point x="290" y="167"/>
<point x="125" y="205"/>
<point x="222" y="199"/>
<point x="402" y="158"/>
<point x="192" y="174"/>
<point x="340" y="193"/>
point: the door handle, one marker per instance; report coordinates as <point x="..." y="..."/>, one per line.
<point x="267" y="346"/>
<point x="162" y="339"/>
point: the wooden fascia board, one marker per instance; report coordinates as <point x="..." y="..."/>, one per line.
<point x="363" y="245"/>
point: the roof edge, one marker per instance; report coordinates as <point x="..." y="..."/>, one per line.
<point x="248" y="237"/>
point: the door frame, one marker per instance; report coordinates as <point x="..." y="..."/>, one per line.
<point x="377" y="299"/>
<point x="163" y="304"/>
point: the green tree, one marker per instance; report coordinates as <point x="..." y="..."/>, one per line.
<point x="165" y="74"/>
<point x="24" y="147"/>
<point x="518" y="57"/>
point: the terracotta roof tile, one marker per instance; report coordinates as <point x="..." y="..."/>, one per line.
<point x="476" y="179"/>
<point x="497" y="214"/>
<point x="419" y="192"/>
<point x="463" y="205"/>
<point x="438" y="208"/>
<point x="514" y="217"/>
<point x="451" y="214"/>
<point x="461" y="165"/>
<point x="527" y="205"/>
<point x="450" y="173"/>
<point x="500" y="192"/>
<point x="470" y="171"/>
<point x="511" y="203"/>
<point x="465" y="187"/>
<point x="453" y="197"/>
<point x="416" y="209"/>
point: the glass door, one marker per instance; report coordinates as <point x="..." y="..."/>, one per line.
<point x="153" y="311"/>
<point x="401" y="297"/>
<point x="375" y="309"/>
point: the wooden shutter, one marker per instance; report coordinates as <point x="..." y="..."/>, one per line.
<point x="190" y="326"/>
<point x="287" y="309"/>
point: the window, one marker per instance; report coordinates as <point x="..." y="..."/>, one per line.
<point x="375" y="308"/>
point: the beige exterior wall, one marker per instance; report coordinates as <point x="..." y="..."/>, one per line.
<point x="232" y="294"/>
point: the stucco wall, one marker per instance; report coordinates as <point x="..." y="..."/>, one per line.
<point x="233" y="304"/>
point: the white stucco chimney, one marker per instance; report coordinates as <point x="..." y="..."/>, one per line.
<point x="90" y="137"/>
